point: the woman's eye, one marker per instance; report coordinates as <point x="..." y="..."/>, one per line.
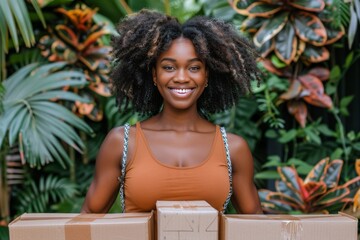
<point x="194" y="68"/>
<point x="168" y="68"/>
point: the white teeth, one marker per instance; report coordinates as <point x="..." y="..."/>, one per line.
<point x="181" y="90"/>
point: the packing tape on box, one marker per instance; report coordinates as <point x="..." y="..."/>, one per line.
<point x="79" y="227"/>
<point x="291" y="226"/>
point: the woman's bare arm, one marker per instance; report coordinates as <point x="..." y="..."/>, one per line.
<point x="105" y="185"/>
<point x="245" y="196"/>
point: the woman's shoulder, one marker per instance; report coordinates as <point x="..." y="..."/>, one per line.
<point x="239" y="149"/>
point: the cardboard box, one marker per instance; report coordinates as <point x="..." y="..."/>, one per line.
<point x="288" y="227"/>
<point x="188" y="220"/>
<point x="64" y="226"/>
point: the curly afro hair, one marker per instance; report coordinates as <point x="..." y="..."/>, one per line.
<point x="229" y="59"/>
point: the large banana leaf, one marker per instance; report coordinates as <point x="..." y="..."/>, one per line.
<point x="2" y="93"/>
<point x="38" y="123"/>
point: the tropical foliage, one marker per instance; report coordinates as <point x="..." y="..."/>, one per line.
<point x="78" y="42"/>
<point x="319" y="192"/>
<point x="56" y="108"/>
<point x="293" y="35"/>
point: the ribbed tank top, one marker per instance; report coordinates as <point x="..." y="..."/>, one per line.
<point x="148" y="180"/>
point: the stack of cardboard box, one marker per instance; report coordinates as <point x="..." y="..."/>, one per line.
<point x="178" y="220"/>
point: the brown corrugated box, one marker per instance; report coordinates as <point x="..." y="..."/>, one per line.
<point x="190" y="220"/>
<point x="288" y="227"/>
<point x="65" y="226"/>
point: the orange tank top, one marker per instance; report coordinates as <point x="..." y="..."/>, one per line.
<point x="148" y="180"/>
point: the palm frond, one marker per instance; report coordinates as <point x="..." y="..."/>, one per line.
<point x="2" y="93"/>
<point x="38" y="197"/>
<point x="32" y="118"/>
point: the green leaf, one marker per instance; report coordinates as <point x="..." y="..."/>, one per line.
<point x="277" y="62"/>
<point x="8" y="15"/>
<point x="288" y="136"/>
<point x="335" y="74"/>
<point x="324" y="129"/>
<point x="349" y="60"/>
<point x="337" y="153"/>
<point x="301" y="166"/>
<point x="267" y="175"/>
<point x="332" y="196"/>
<point x="272" y="161"/>
<point x="356" y="146"/>
<point x="352" y="26"/>
<point x="312" y="135"/>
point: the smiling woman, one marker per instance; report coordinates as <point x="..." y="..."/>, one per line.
<point x="176" y="74"/>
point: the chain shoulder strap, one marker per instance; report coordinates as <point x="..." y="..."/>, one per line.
<point x="228" y="160"/>
<point x="123" y="166"/>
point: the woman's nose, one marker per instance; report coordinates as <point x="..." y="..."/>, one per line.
<point x="181" y="76"/>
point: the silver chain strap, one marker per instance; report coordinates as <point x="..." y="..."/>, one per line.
<point x="123" y="166"/>
<point x="228" y="160"/>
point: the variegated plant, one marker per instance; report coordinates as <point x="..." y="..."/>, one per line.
<point x="292" y="35"/>
<point x="77" y="40"/>
<point x="318" y="192"/>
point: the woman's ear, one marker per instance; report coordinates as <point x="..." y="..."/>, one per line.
<point x="154" y="76"/>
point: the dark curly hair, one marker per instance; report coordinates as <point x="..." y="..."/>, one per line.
<point x="229" y="59"/>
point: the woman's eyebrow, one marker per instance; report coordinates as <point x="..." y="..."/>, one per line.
<point x="174" y="60"/>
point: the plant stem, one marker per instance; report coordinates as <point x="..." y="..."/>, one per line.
<point x="72" y="165"/>
<point x="4" y="191"/>
<point x="167" y="7"/>
<point x="343" y="142"/>
<point x="126" y="6"/>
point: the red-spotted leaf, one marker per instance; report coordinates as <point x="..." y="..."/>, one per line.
<point x="309" y="28"/>
<point x="293" y="91"/>
<point x="332" y="174"/>
<point x="241" y="6"/>
<point x="290" y="177"/>
<point x="353" y="185"/>
<point x="357" y="166"/>
<point x="308" y="5"/>
<point x="272" y="206"/>
<point x="333" y="196"/>
<point x="271" y="68"/>
<point x="261" y="9"/>
<point x="67" y="35"/>
<point x="100" y="88"/>
<point x="299" y="110"/>
<point x="313" y="54"/>
<point x="286" y="44"/>
<point x="267" y="48"/>
<point x="316" y="89"/>
<point x="333" y="34"/>
<point x="323" y="101"/>
<point x="282" y="187"/>
<point x="318" y="172"/>
<point x="271" y="27"/>
<point x="315" y="189"/>
<point x="285" y="199"/>
<point x="300" y="49"/>
<point x="251" y="24"/>
<point x="320" y="72"/>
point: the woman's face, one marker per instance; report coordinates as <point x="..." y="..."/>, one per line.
<point x="180" y="75"/>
